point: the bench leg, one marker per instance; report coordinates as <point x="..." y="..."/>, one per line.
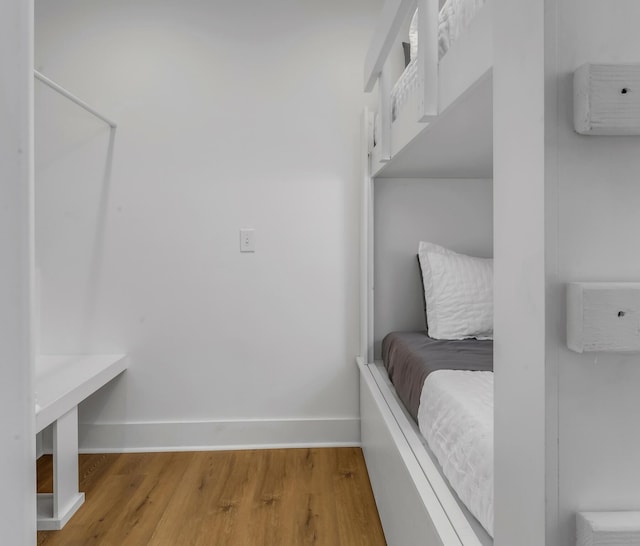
<point x="54" y="510"/>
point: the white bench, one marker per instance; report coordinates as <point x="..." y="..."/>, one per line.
<point x="61" y="383"/>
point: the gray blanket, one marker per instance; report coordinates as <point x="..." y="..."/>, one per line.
<point x="410" y="357"/>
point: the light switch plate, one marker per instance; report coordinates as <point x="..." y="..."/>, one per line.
<point x="247" y="240"/>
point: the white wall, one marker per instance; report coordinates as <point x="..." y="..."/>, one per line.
<point x="598" y="227"/>
<point x="566" y="210"/>
<point x="17" y="421"/>
<point x="455" y="213"/>
<point x="231" y="114"/>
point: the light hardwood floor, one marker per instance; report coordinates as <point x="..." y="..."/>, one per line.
<point x="279" y="497"/>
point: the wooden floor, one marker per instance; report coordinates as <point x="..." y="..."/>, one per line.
<point x="280" y="497"/>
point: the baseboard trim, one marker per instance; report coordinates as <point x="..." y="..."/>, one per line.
<point x="218" y="435"/>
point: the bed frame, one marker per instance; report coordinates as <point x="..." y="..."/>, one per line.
<point x="415" y="503"/>
<point x="441" y="84"/>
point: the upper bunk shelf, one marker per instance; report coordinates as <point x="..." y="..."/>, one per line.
<point x="457" y="144"/>
<point x="454" y="138"/>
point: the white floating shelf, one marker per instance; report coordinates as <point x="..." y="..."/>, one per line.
<point x="63" y="381"/>
<point x="607" y="99"/>
<point x="603" y="316"/>
<point x="608" y="528"/>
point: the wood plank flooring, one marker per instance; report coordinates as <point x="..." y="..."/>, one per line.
<point x="279" y="497"/>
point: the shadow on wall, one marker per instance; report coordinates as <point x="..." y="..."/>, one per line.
<point x="74" y="154"/>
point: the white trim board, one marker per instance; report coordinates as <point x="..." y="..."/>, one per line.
<point x="218" y="435"/>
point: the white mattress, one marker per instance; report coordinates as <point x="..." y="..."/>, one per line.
<point x="455" y="16"/>
<point x="456" y="419"/>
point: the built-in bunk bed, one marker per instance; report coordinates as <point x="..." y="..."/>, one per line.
<point x="427" y="392"/>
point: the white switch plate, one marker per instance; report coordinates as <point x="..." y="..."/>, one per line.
<point x="247" y="240"/>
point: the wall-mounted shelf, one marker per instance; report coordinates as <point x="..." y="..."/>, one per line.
<point x="606" y="99"/>
<point x="603" y="316"/>
<point x="593" y="528"/>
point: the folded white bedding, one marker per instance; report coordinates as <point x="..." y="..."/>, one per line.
<point x="456" y="419"/>
<point x="454" y="17"/>
<point x="405" y="85"/>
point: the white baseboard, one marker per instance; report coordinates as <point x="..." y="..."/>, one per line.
<point x="217" y="435"/>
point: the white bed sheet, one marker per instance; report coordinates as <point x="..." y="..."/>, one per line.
<point x="455" y="16"/>
<point x="456" y="419"/>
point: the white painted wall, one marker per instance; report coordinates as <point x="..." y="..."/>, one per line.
<point x="231" y="114"/>
<point x="566" y="210"/>
<point x="17" y="421"/>
<point x="455" y="213"/>
<point x="598" y="227"/>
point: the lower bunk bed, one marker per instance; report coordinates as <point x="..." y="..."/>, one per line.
<point x="414" y="479"/>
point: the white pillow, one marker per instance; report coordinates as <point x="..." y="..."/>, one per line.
<point x="458" y="292"/>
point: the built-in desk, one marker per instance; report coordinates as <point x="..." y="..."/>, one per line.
<point x="61" y="383"/>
